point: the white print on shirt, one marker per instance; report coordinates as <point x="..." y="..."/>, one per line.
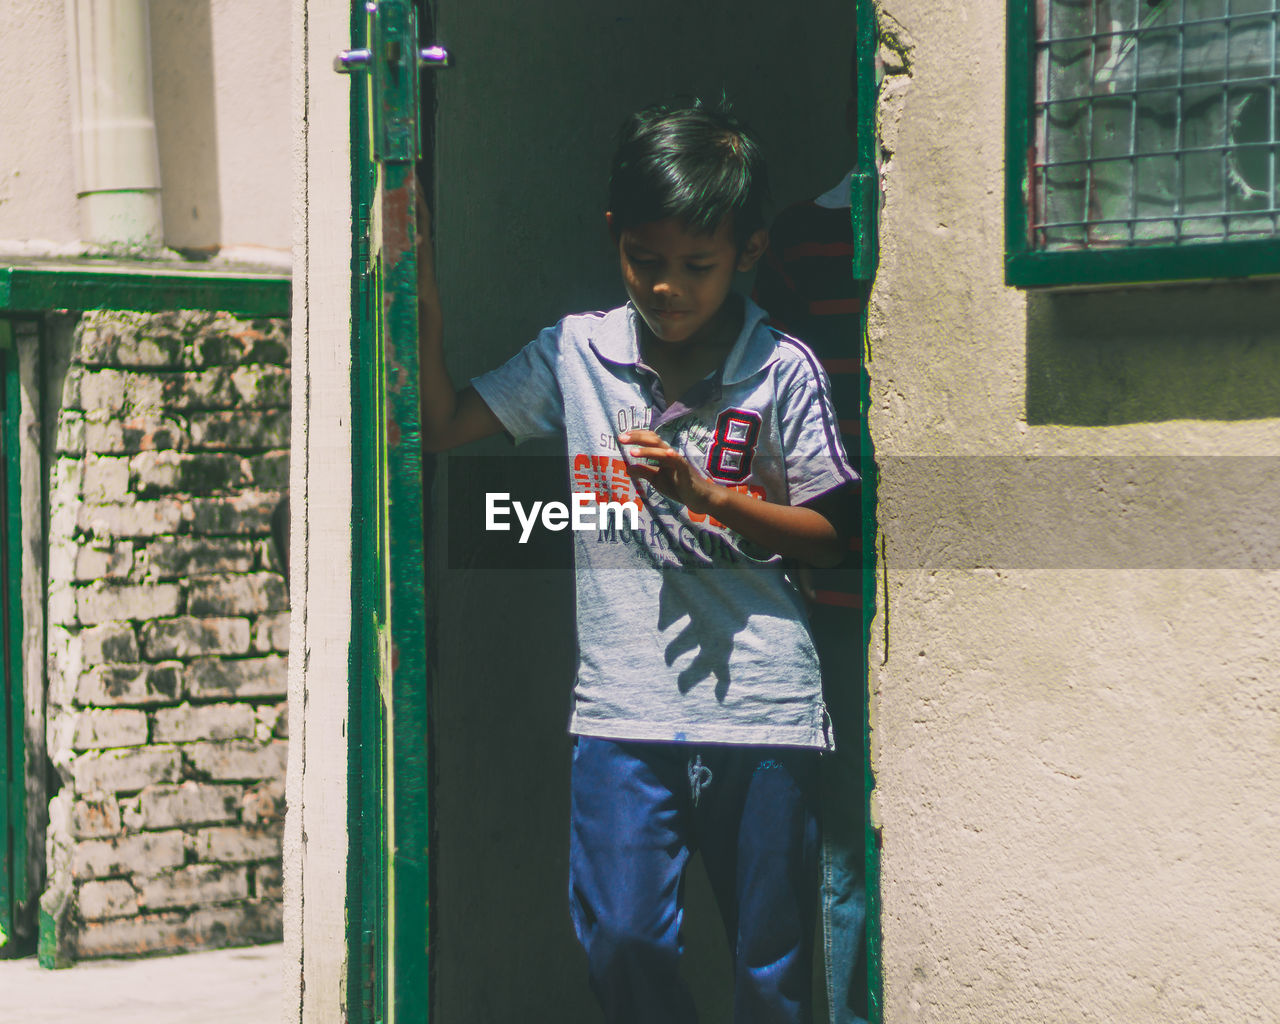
<point x="656" y="540"/>
<point x="633" y="417"/>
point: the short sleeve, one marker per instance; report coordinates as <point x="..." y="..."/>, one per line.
<point x="524" y="392"/>
<point x="815" y="457"/>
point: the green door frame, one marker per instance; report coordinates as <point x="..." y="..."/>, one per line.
<point x="13" y="833"/>
<point x="388" y="878"/>
<point x="388" y="772"/>
<point x="865" y="210"/>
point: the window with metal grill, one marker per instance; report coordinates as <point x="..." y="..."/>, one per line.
<point x="1144" y="139"/>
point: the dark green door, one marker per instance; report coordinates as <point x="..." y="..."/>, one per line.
<point x="388" y="868"/>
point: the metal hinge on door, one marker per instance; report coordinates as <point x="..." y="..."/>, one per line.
<point x="393" y="57"/>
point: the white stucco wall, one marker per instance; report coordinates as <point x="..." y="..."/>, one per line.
<point x="221" y="83"/>
<point x="315" y="842"/>
<point x="1075" y="718"/>
<point x="37" y="180"/>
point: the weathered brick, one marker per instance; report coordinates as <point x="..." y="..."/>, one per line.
<point x="144" y="391"/>
<point x="262" y="386"/>
<point x="105" y="602"/>
<point x="111" y="641"/>
<point x="99" y="728"/>
<point x="177" y="932"/>
<point x="248" y="594"/>
<point x="205" y="722"/>
<point x="71" y="386"/>
<point x="70" y="439"/>
<point x="135" y="936"/>
<point x="252" y="921"/>
<point x="103" y="390"/>
<point x="126" y="340"/>
<point x="264" y="803"/>
<point x="239" y="759"/>
<point x="136" y="684"/>
<point x="271" y="633"/>
<point x="249" y="512"/>
<point x="112" y="898"/>
<point x="266" y="881"/>
<point x="106" y="478"/>
<point x="238" y="677"/>
<point x="123" y="855"/>
<point x="123" y="391"/>
<point x="98" y="563"/>
<point x="135" y="432"/>
<point x="193" y="473"/>
<point x="192" y="803"/>
<point x="94" y="816"/>
<point x="62" y="605"/>
<point x="262" y="341"/>
<point x="206" y="389"/>
<point x="268" y="557"/>
<point x="133" y="519"/>
<point x="267" y="718"/>
<point x="193" y="885"/>
<point x="127" y="769"/>
<point x="270" y="472"/>
<point x="236" y="429"/>
<point x="191" y="556"/>
<point x="188" y="637"/>
<point x="236" y="845"/>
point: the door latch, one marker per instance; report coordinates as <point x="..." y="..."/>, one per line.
<point x="436" y="57"/>
<point x="392" y="56"/>
<point x="352" y="60"/>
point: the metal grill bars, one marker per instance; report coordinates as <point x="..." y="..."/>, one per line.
<point x="1162" y="131"/>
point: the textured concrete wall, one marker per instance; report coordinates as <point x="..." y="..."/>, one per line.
<point x="168" y="633"/>
<point x="220" y="70"/>
<point x="1073" y="670"/>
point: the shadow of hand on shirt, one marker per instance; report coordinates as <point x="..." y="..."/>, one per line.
<point x="710" y="631"/>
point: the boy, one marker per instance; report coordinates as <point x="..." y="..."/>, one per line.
<point x="697" y="703"/>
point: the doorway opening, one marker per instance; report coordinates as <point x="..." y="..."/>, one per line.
<point x="522" y="135"/>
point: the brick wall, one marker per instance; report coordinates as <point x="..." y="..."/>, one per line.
<point x="168" y="632"/>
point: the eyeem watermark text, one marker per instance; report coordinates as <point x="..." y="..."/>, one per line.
<point x="583" y="513"/>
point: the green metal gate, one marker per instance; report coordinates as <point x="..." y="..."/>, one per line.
<point x="388" y="852"/>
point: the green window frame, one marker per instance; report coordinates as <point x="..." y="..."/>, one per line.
<point x="1143" y="148"/>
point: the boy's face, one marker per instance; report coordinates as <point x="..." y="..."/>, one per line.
<point x="678" y="280"/>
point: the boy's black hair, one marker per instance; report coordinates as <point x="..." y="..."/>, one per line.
<point x="692" y="161"/>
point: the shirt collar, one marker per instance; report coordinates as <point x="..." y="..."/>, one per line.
<point x="754" y="349"/>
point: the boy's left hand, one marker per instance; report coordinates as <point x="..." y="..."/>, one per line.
<point x="673" y="475"/>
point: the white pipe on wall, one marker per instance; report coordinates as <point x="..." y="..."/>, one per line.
<point x="113" y="126"/>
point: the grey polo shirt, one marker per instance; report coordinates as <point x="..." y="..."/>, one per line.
<point x="686" y="631"/>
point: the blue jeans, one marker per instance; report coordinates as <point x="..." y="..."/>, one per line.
<point x="638" y="812"/>
<point x="838" y="635"/>
<point x="844" y="887"/>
